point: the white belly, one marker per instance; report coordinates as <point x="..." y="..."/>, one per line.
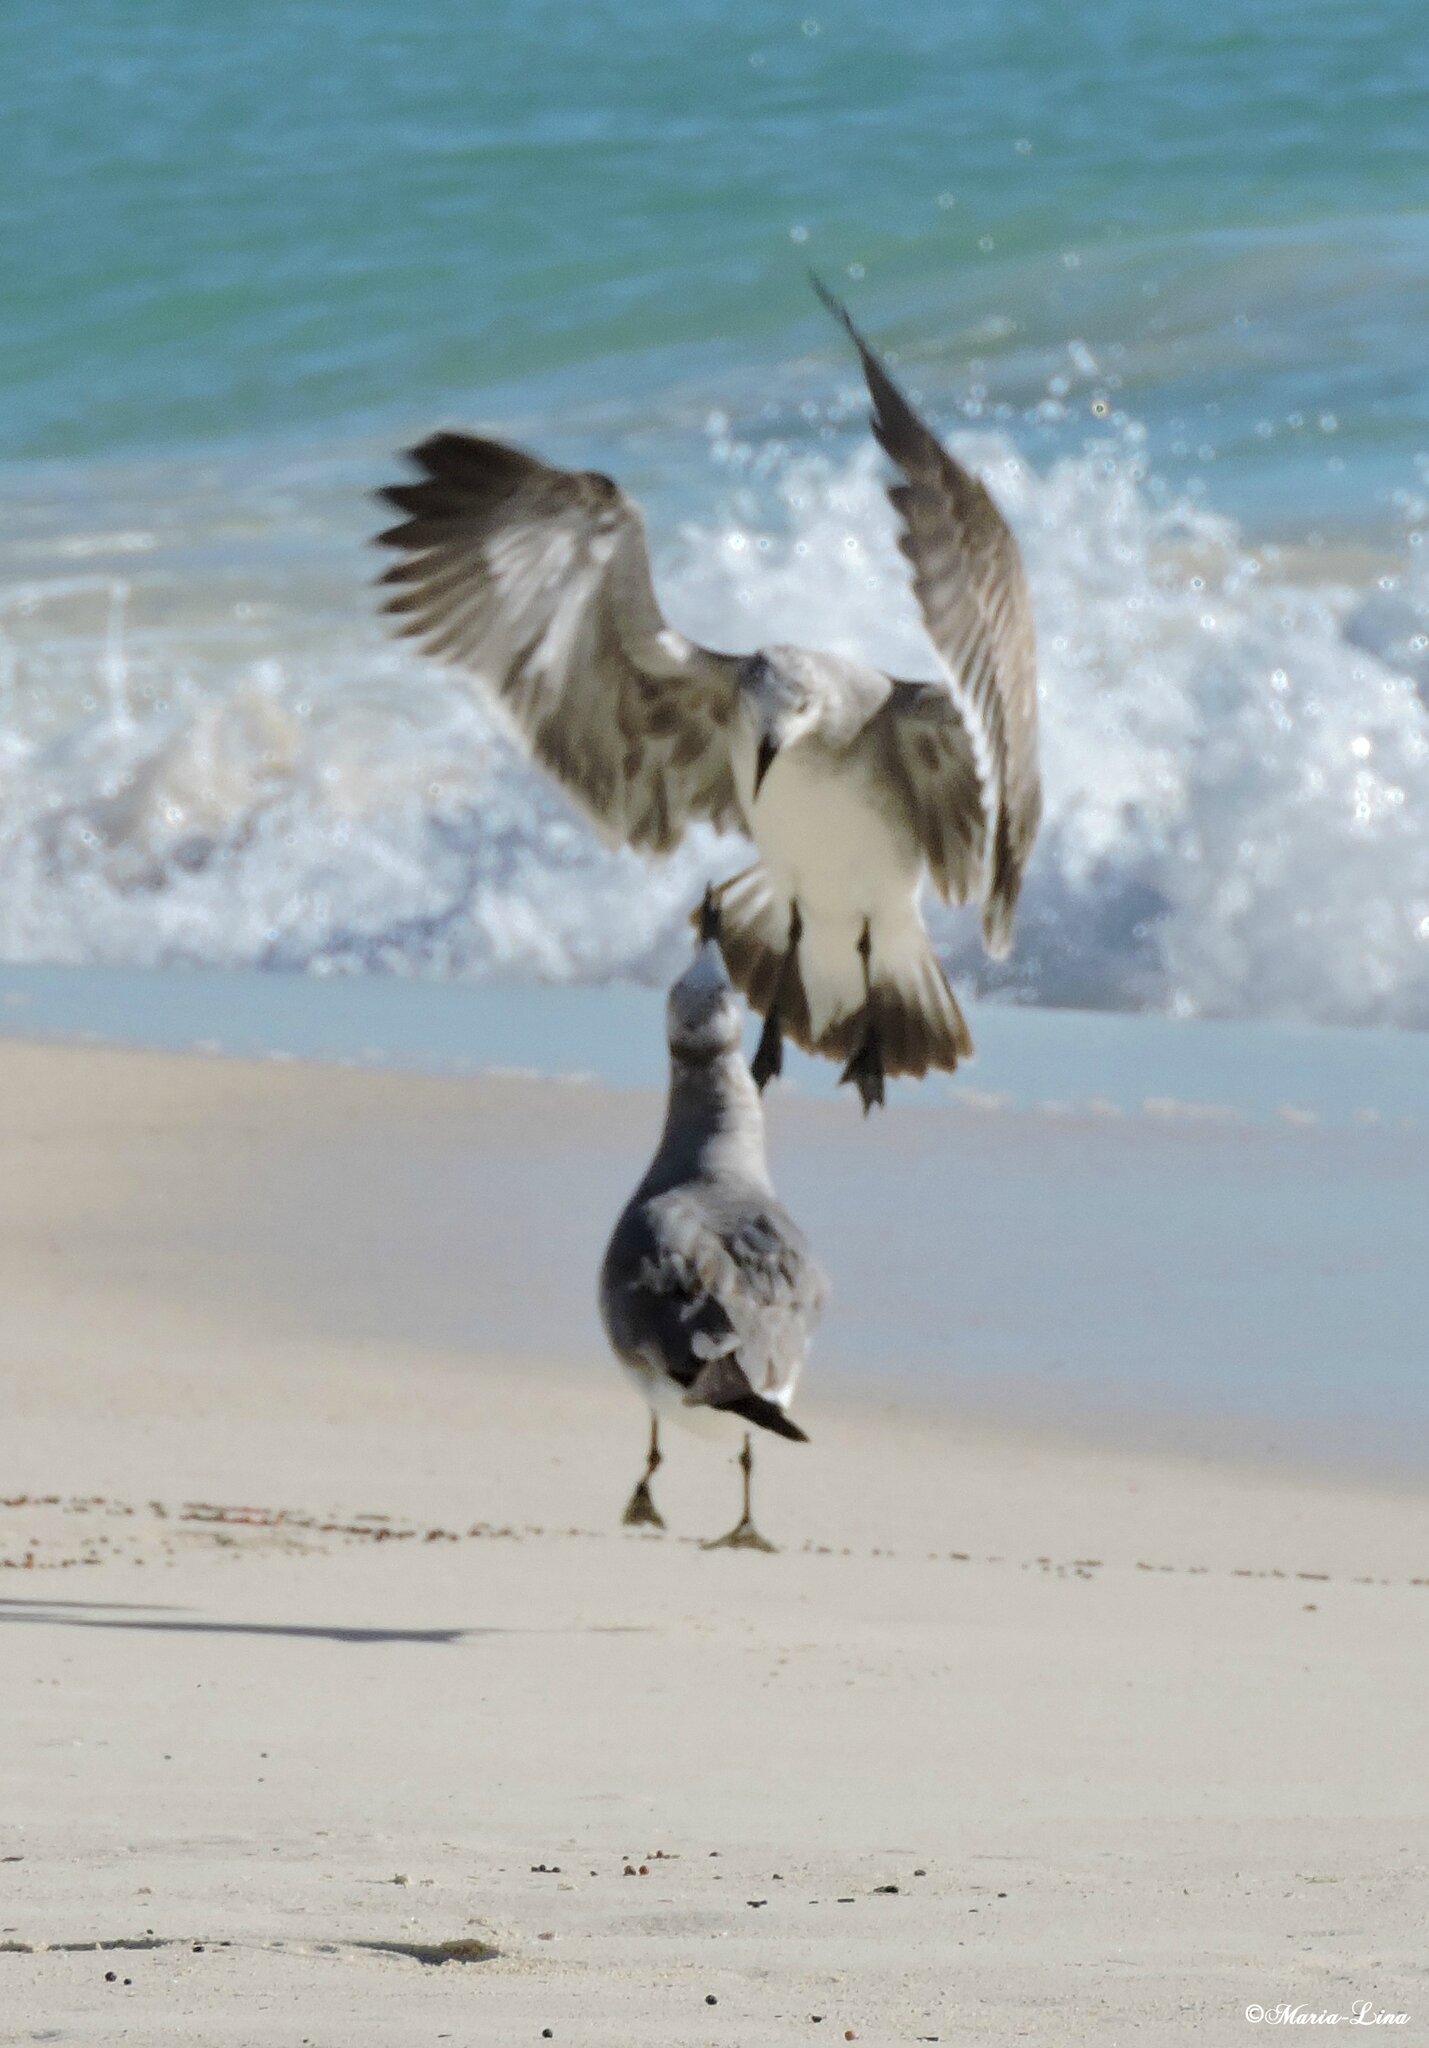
<point x="828" y="847"/>
<point x="823" y="838"/>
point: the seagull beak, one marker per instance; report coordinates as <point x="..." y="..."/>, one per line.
<point x="767" y="750"/>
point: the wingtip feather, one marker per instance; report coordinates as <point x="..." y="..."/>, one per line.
<point x="391" y="536"/>
<point x="997" y="931"/>
<point x="829" y="302"/>
<point x="999" y="914"/>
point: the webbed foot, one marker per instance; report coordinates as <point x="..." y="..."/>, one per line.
<point x="865" y="1069"/>
<point x="768" y="1058"/>
<point x="743" y="1536"/>
<point x="641" y="1511"/>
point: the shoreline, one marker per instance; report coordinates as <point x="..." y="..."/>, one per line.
<point x="1057" y="1061"/>
<point x="1227" y="1292"/>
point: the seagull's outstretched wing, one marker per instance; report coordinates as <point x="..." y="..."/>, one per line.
<point x="538" y="580"/>
<point x="972" y="590"/>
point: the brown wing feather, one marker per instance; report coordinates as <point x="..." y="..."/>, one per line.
<point x="538" y="580"/>
<point x="928" y="759"/>
<point x="972" y="590"/>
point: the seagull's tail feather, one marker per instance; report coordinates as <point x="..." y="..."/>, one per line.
<point x="724" y="1384"/>
<point x="909" y="1017"/>
<point x="753" y="928"/>
<point x="914" y="1012"/>
<point x="910" y="1006"/>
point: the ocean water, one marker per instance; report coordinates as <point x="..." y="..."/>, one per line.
<point x="1163" y="274"/>
<point x="1088" y="1067"/>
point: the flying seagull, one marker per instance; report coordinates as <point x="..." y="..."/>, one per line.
<point x="709" y="1293"/>
<point x="851" y="783"/>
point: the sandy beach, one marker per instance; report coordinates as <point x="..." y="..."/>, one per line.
<point x="324" y="1651"/>
<point x="357" y="786"/>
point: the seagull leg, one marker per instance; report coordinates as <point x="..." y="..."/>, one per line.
<point x="769" y="1053"/>
<point x="709" y="915"/>
<point x="640" y="1509"/>
<point x="866" y="1070"/>
<point x="866" y="1066"/>
<point x="744" y="1535"/>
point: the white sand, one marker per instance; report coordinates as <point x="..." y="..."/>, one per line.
<point x="1139" y="1740"/>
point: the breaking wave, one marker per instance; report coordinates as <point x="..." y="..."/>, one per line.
<point x="1236" y="754"/>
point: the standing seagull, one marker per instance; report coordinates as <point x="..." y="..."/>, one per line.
<point x="709" y="1293"/>
<point x="850" y="783"/>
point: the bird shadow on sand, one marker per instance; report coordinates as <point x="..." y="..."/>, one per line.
<point x="59" y="1614"/>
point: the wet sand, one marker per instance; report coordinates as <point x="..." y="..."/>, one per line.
<point x="323" y="1648"/>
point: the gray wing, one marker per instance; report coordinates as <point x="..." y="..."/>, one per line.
<point x="972" y="590"/>
<point x="538" y="580"/>
<point x="724" y="1303"/>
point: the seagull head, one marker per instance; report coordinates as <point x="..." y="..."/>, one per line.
<point x="703" y="1013"/>
<point x="781" y="703"/>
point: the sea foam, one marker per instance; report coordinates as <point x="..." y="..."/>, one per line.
<point x="1235" y="751"/>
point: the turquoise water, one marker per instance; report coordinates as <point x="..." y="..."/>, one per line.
<point x="1162" y="273"/>
<point x="257" y="220"/>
